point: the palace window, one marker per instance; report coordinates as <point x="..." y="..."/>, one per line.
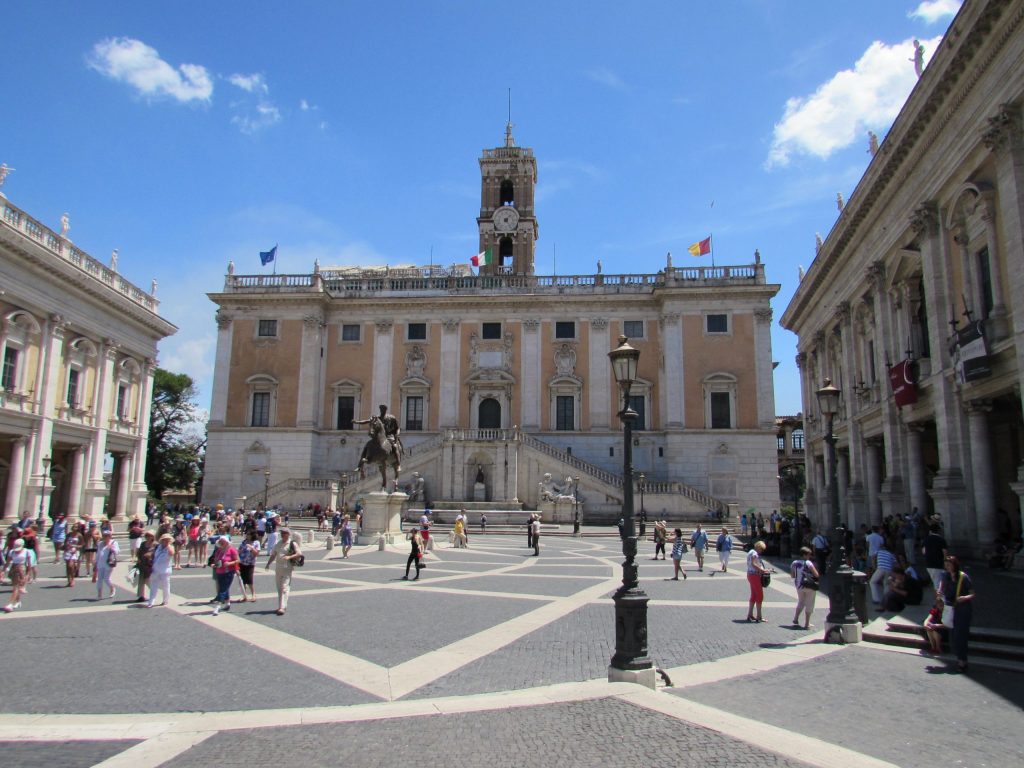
<point x="985" y="283"/>
<point x="9" y="377"/>
<point x="565" y="329"/>
<point x="267" y="328"/>
<point x="346" y="412"/>
<point x="416" y="332"/>
<point x="262" y="400"/>
<point x="122" y="402"/>
<point x="490" y="331"/>
<point x="414" y="413"/>
<point x="798" y="439"/>
<point x="720" y="401"/>
<point x="260" y="409"/>
<point x="351" y="332"/>
<point x="717" y="323"/>
<point x="74" y="383"/>
<point x="564" y="413"/>
<point x="639" y="404"/>
<point x="633" y="329"/>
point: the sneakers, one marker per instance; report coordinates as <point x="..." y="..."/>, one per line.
<point x="216" y="610"/>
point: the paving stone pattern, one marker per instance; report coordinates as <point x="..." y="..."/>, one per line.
<point x="585" y="734"/>
<point x="905" y="709"/>
<point x="170" y="664"/>
<point x="65" y="754"/>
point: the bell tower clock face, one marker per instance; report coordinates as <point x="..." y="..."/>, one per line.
<point x="505" y="219"/>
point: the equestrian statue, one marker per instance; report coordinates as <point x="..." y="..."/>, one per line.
<point x="384" y="447"/>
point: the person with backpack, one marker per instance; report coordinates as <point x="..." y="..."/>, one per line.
<point x="724" y="546"/>
<point x="287" y="555"/>
<point x="699" y="542"/>
<point x="806" y="580"/>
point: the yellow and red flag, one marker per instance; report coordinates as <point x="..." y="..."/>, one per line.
<point x="702" y="248"/>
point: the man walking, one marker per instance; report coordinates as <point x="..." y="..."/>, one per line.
<point x="885" y="562"/>
<point x="535" y="530"/>
<point x="699" y="542"/>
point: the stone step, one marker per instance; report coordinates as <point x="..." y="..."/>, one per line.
<point x="899" y="631"/>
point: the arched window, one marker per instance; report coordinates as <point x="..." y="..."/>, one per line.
<point x="508" y="192"/>
<point x="505" y="252"/>
<point x="489" y="416"/>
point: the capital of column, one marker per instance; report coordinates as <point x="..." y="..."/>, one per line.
<point x="876" y="274"/>
<point x="384" y="326"/>
<point x="531" y="324"/>
<point x="669" y="318"/>
<point x="801" y="359"/>
<point x="763" y="315"/>
<point x="599" y="323"/>
<point x="979" y="406"/>
<point x="925" y="219"/>
<point x="450" y="324"/>
<point x="844" y="313"/>
<point x="1003" y="130"/>
<point x="223" y="319"/>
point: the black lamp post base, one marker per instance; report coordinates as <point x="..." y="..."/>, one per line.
<point x="630" y="632"/>
<point x="842" y="624"/>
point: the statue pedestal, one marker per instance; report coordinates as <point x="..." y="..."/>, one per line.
<point x="382" y="515"/>
<point x="479" y="492"/>
<point x="558" y="510"/>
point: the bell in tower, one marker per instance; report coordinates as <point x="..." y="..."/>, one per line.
<point x="507" y="222"/>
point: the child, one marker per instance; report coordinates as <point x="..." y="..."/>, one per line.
<point x="933" y="627"/>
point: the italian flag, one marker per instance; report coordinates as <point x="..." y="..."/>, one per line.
<point x="482" y="259"/>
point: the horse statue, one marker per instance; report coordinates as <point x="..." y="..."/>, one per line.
<point x="383" y="452"/>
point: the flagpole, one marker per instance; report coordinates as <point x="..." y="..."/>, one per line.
<point x="275" y="258"/>
<point x="711" y="237"/>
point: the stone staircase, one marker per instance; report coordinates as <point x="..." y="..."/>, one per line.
<point x="1003" y="646"/>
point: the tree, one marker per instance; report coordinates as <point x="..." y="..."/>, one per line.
<point x="174" y="452"/>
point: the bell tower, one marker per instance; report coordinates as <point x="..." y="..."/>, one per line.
<point x="507" y="223"/>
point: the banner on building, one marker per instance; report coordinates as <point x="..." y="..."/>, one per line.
<point x="970" y="353"/>
<point x="903" y="378"/>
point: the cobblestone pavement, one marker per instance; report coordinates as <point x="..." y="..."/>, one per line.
<point x="493" y="658"/>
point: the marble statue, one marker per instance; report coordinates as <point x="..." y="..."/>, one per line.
<point x="231" y="267"/>
<point x="818" y="242"/>
<point x="415" y="488"/>
<point x="113" y="260"/>
<point x="552" y="490"/>
<point x="4" y="170"/>
<point x="65" y="225"/>
<point x="840" y="204"/>
<point x="152" y="287"/>
<point x="872" y="143"/>
<point x="918" y="57"/>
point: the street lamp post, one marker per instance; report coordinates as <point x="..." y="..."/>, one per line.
<point x="630" y="662"/>
<point x="841" y="624"/>
<point x="576" y="506"/>
<point x="641" y="484"/>
<point x="266" y="489"/>
<point x="40" y="520"/>
<point x="344" y="482"/>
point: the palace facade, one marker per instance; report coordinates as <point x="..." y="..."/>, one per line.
<point x="913" y="307"/>
<point x="504" y="373"/>
<point x="78" y="345"/>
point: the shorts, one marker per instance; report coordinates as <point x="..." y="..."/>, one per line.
<point x="246" y="572"/>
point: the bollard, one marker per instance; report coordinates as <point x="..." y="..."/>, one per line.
<point x="330" y="542"/>
<point x="310" y="537"/>
<point x="430" y="544"/>
<point x="381" y="543"/>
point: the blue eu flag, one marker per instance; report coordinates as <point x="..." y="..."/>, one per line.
<point x="268" y="256"/>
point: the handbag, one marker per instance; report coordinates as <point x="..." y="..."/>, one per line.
<point x="112" y="558"/>
<point x="133" y="576"/>
<point x="300" y="560"/>
<point x="948" y="611"/>
<point x="766" y="578"/>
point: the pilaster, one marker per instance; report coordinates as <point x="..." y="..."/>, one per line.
<point x="383" y="352"/>
<point x="597" y="375"/>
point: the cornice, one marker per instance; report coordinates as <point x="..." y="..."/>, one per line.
<point x="961" y="60"/>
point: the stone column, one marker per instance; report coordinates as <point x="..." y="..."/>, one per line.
<point x="982" y="476"/>
<point x="451" y="372"/>
<point x="142" y="418"/>
<point x="675" y="393"/>
<point x="763" y="367"/>
<point x="915" y="467"/>
<point x="383" y="352"/>
<point x="843" y="474"/>
<point x="310" y="367"/>
<point x="221" y="370"/>
<point x="75" y="482"/>
<point x="1018" y="488"/>
<point x="529" y="375"/>
<point x="872" y="489"/>
<point x="123" y="468"/>
<point x="597" y="375"/>
<point x="15" y="480"/>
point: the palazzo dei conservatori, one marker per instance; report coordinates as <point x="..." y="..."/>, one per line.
<point x="500" y="377"/>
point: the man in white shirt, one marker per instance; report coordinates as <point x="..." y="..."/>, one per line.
<point x="875" y="542"/>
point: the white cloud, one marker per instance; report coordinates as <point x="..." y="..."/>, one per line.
<point x="305" y="106"/>
<point x="839" y="112"/>
<point x="604" y="76"/>
<point x="133" y="62"/>
<point x="249" y="83"/>
<point x="931" y="11"/>
<point x="264" y="115"/>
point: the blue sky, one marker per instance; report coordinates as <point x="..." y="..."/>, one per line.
<point x="188" y="134"/>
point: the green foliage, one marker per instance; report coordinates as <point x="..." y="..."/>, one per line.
<point x="175" y="452"/>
